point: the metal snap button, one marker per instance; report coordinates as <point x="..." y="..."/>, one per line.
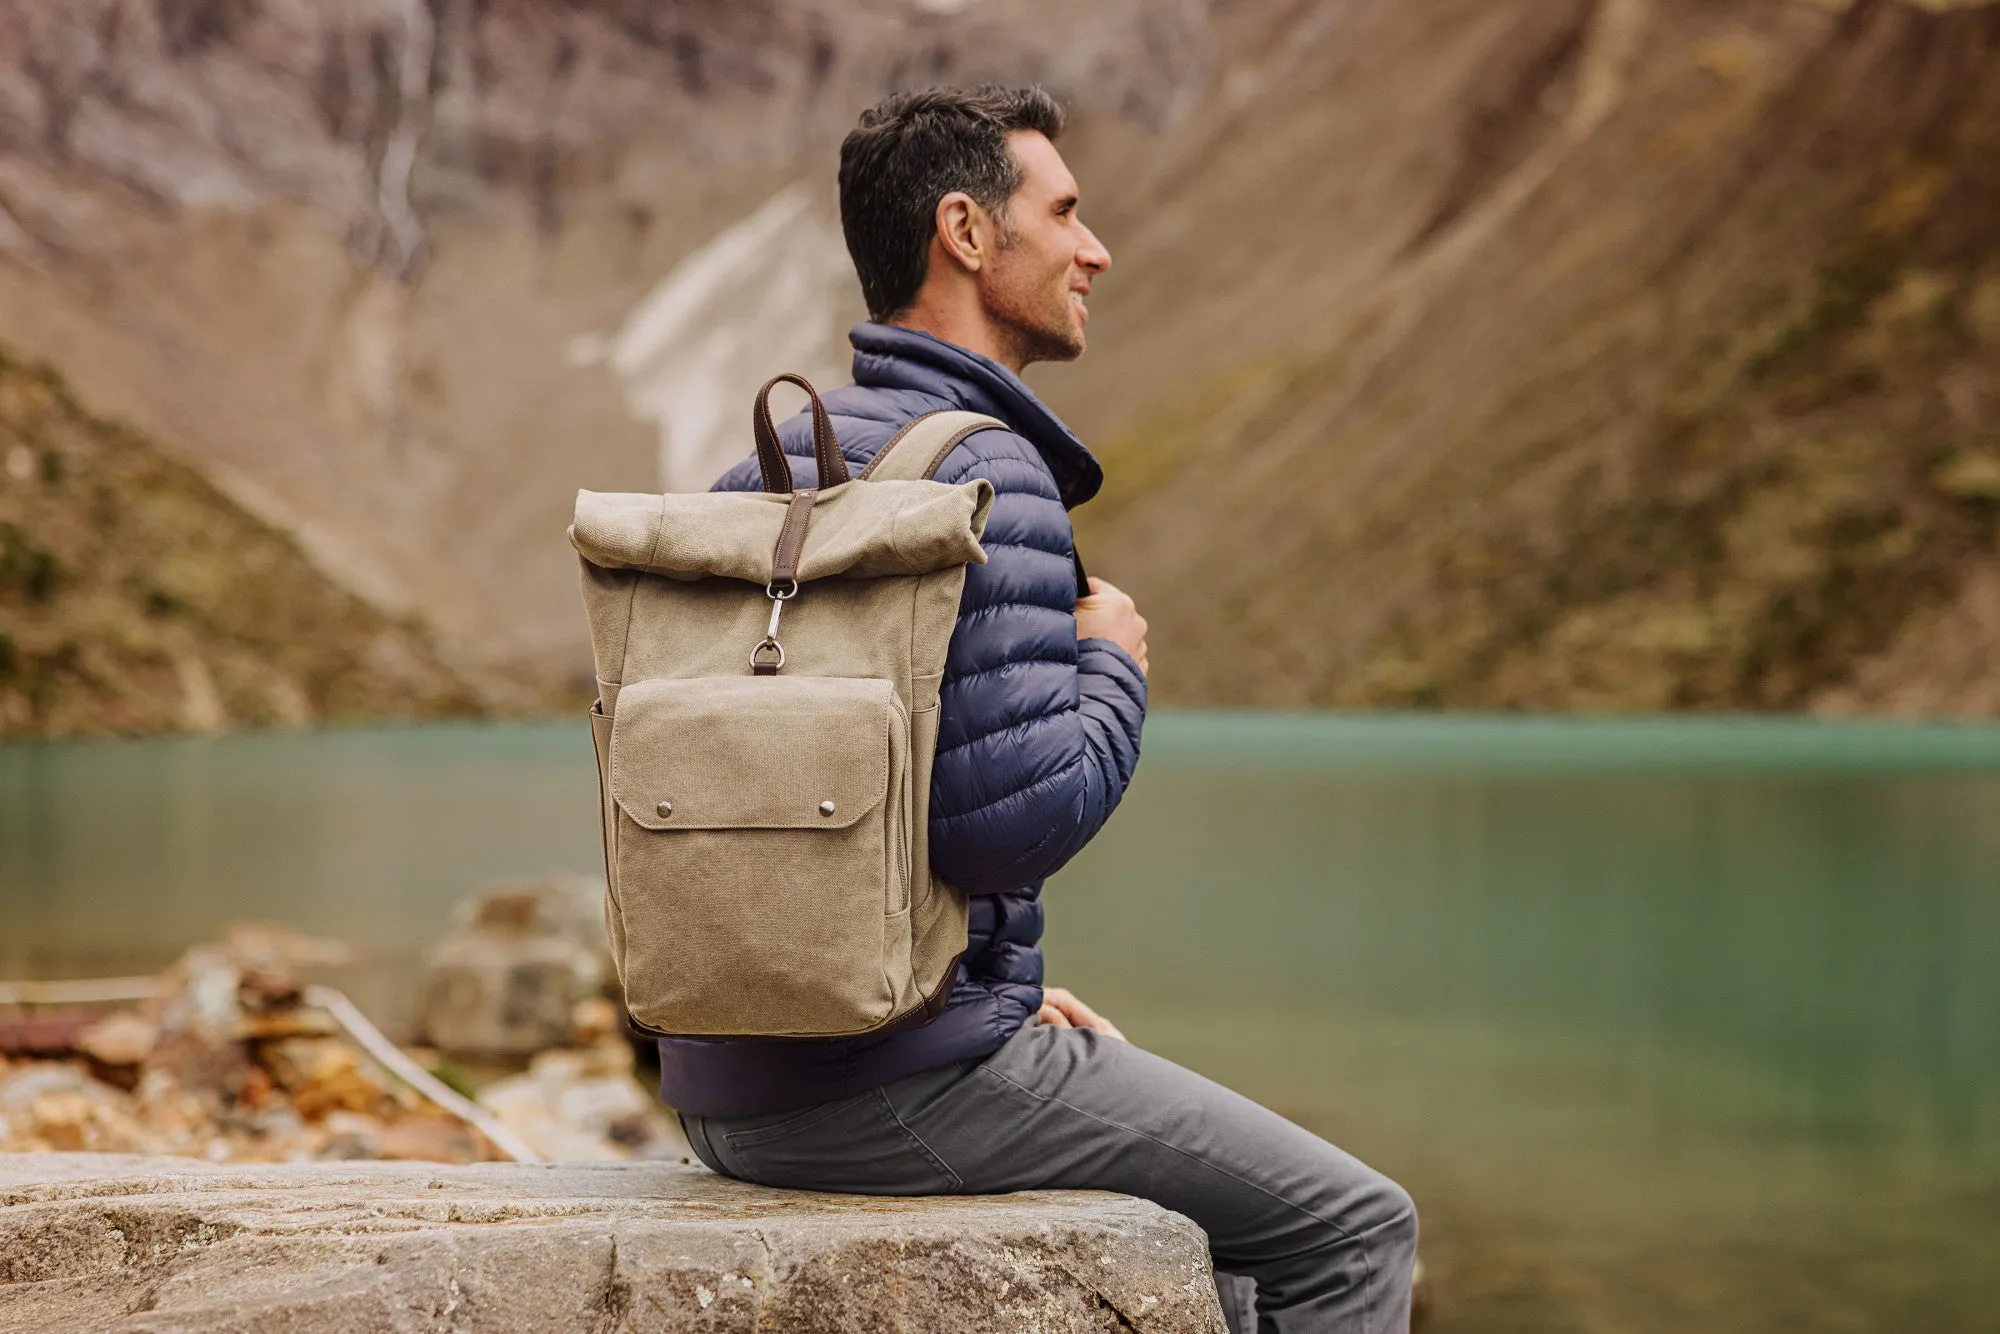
<point x="826" y="808"/>
<point x="665" y="809"/>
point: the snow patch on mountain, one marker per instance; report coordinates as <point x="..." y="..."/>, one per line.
<point x="772" y="292"/>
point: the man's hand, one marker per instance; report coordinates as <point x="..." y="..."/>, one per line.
<point x="1108" y="614"/>
<point x="1061" y="1008"/>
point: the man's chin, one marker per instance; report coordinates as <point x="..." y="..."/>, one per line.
<point x="1046" y="342"/>
<point x="1060" y="345"/>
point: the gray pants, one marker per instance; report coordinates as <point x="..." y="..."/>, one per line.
<point x="1328" y="1242"/>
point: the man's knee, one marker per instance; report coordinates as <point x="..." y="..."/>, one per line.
<point x="1359" y="1206"/>
<point x="1366" y="1236"/>
<point x="1389" y="1220"/>
<point x="1378" y="1212"/>
<point x="1391" y="1211"/>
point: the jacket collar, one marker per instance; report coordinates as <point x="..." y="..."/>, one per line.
<point x="887" y="357"/>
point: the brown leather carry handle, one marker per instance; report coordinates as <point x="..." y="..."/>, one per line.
<point x="771" y="460"/>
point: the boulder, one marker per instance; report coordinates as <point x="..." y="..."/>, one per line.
<point x="583" y="1105"/>
<point x="505" y="980"/>
<point x="164" y="1245"/>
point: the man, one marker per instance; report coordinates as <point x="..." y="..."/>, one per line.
<point x="963" y="224"/>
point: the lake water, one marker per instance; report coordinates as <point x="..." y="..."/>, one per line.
<point x="1668" y="1026"/>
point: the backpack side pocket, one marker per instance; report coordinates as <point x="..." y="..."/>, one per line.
<point x="607" y="828"/>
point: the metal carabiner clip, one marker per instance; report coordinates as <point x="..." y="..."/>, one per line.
<point x="759" y="663"/>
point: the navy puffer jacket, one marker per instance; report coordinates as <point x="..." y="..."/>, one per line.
<point x="1038" y="731"/>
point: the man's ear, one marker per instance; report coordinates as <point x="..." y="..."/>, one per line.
<point x="964" y="230"/>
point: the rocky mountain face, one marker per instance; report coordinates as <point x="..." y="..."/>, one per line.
<point x="1574" y="354"/>
<point x="135" y="597"/>
<point x="374" y="265"/>
<point x="1599" y="354"/>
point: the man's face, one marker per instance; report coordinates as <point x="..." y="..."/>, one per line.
<point x="1038" y="281"/>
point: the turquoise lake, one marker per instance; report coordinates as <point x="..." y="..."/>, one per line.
<point x="1667" y="1025"/>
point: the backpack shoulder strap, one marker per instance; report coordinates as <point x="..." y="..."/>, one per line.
<point x="916" y="452"/>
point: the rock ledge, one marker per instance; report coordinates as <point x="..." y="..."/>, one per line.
<point x="90" y="1241"/>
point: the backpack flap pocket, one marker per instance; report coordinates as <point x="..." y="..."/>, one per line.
<point x="758" y="851"/>
<point x="752" y="752"/>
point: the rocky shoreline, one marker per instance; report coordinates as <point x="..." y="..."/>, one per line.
<point x="229" y="1056"/>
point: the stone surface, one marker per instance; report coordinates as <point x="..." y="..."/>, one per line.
<point x="160" y="1245"/>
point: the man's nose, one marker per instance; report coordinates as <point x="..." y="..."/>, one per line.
<point x="1092" y="255"/>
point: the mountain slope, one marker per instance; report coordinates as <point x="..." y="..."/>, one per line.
<point x="345" y="255"/>
<point x="1612" y="355"/>
<point x="1599" y="354"/>
<point x="134" y="597"/>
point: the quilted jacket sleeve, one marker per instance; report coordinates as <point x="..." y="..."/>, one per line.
<point x="1038" y="732"/>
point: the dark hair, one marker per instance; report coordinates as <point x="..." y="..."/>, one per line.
<point x="913" y="149"/>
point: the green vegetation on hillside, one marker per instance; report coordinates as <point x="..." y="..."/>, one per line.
<point x="1810" y="487"/>
<point x="136" y="597"/>
<point x="1771" y="535"/>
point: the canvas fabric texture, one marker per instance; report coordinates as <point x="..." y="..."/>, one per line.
<point x="765" y="836"/>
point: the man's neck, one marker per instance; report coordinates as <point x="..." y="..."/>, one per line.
<point x="971" y="330"/>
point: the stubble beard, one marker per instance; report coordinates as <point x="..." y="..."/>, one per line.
<point x="1032" y="329"/>
<point x="1031" y="343"/>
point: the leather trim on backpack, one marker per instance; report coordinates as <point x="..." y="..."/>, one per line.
<point x="771" y="462"/>
<point x="952" y="442"/>
<point x="792" y="538"/>
<point x="891" y="443"/>
<point x="957" y="438"/>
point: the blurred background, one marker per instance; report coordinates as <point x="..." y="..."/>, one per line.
<point x="1556" y="444"/>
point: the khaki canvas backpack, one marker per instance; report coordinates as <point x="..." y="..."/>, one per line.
<point x="768" y="667"/>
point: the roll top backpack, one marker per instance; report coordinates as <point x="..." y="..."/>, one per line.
<point x="768" y="667"/>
